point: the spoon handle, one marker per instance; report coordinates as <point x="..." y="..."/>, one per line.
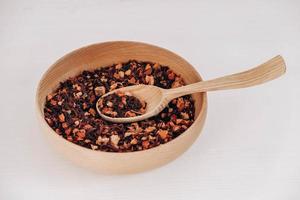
<point x="258" y="75"/>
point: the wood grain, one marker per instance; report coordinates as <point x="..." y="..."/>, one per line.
<point x="105" y="54"/>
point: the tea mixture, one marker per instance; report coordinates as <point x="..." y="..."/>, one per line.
<point x="71" y="109"/>
<point x="121" y="104"/>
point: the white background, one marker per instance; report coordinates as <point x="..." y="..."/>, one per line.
<point x="250" y="145"/>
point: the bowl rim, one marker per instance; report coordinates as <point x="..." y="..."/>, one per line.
<point x="41" y="119"/>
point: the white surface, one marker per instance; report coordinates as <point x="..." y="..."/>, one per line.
<point x="249" y="148"/>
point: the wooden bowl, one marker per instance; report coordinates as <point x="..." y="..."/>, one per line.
<point x="105" y="54"/>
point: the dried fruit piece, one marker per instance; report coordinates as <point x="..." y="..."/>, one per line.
<point x="128" y="133"/>
<point x="145" y="144"/>
<point x="149" y="80"/>
<point x="64" y="125"/>
<point x="132" y="80"/>
<point x="87" y="127"/>
<point x="94" y="147"/>
<point x="150" y="129"/>
<point x="171" y="76"/>
<point x="78" y="94"/>
<point x="61" y="117"/>
<point x="115" y="140"/>
<point x="162" y="134"/>
<point x="49" y="97"/>
<point x="53" y="102"/>
<point x="128" y="72"/>
<point x="180" y="104"/>
<point x="49" y="121"/>
<point x="76" y="123"/>
<point x="102" y="140"/>
<point x="121" y="74"/>
<point x="99" y="91"/>
<point x="92" y="111"/>
<point x="81" y="133"/>
<point x="134" y="141"/>
<point x="148" y="69"/>
<point x="185" y="115"/>
<point x="68" y="131"/>
<point x="113" y="86"/>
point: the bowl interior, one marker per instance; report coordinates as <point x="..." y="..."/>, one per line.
<point x="106" y="54"/>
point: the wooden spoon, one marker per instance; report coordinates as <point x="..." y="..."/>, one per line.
<point x="158" y="98"/>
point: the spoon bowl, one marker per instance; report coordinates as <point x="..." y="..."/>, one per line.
<point x="153" y="95"/>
